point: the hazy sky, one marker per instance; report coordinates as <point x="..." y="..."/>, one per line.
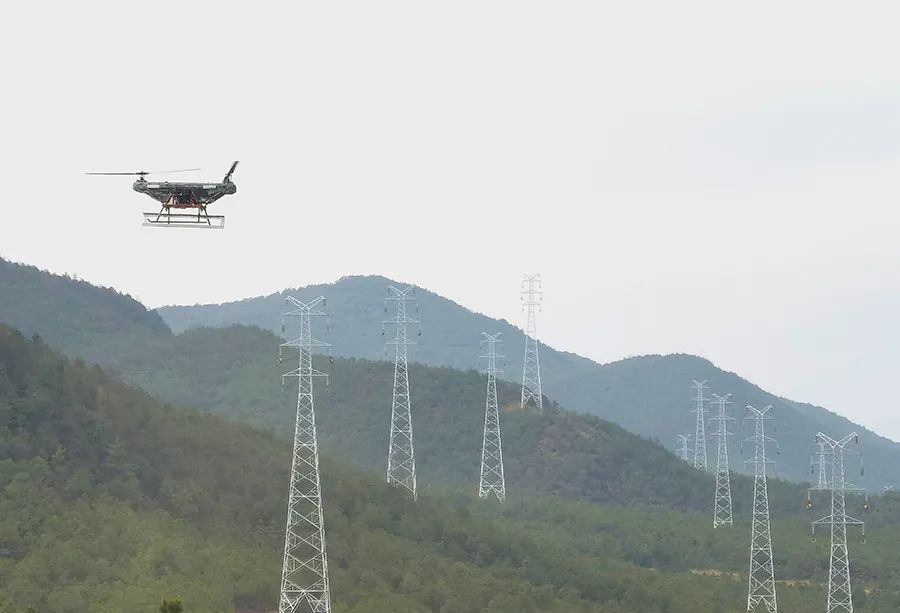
<point x="710" y="178"/>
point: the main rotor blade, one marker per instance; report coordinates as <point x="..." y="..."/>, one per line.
<point x="162" y="172"/>
<point x="110" y="174"/>
<point x="142" y="172"/>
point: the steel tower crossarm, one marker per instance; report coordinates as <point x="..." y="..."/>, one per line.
<point x="304" y="580"/>
<point x="492" y="480"/>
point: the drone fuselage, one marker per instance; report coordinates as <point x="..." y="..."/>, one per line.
<point x="184" y="195"/>
<point x="179" y="196"/>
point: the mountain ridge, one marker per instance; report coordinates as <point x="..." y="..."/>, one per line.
<point x="233" y="372"/>
<point x="649" y="395"/>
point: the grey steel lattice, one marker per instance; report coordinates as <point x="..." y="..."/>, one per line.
<point x="761" y="594"/>
<point x="684" y="448"/>
<point x="821" y="463"/>
<point x="401" y="465"/>
<point x="492" y="477"/>
<point x="840" y="591"/>
<point x="304" y="579"/>
<point x="700" y="460"/>
<point x="532" y="295"/>
<point x="722" y="515"/>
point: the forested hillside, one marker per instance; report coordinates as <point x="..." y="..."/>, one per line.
<point x="110" y="502"/>
<point x="75" y="316"/>
<point x="649" y="395"/>
<point x="233" y="372"/>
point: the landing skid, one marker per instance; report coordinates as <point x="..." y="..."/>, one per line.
<point x="165" y="219"/>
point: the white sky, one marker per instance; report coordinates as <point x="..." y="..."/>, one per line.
<point x="709" y="178"/>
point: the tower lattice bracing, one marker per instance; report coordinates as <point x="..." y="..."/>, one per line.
<point x="531" y="373"/>
<point x="722" y="515"/>
<point x="684" y="448"/>
<point x="401" y="464"/>
<point x="840" y="593"/>
<point x="700" y="460"/>
<point x="761" y="590"/>
<point x="304" y="579"/>
<point x="492" y="478"/>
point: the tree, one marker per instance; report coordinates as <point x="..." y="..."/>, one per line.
<point x="171" y="606"/>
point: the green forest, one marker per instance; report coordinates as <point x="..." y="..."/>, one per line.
<point x="162" y="475"/>
<point x="113" y="502"/>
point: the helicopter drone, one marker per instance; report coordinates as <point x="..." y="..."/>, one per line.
<point x="181" y="195"/>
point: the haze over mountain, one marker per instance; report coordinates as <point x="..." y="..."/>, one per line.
<point x="649" y="395"/>
<point x="233" y="373"/>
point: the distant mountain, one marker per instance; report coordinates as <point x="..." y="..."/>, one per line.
<point x="78" y="316"/>
<point x="648" y="395"/>
<point x="233" y="372"/>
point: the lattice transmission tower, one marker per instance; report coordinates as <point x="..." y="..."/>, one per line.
<point x="401" y="465"/>
<point x="684" y="448"/>
<point x="532" y="295"/>
<point x="700" y="461"/>
<point x="821" y="464"/>
<point x="492" y="477"/>
<point x="304" y="578"/>
<point x="840" y="592"/>
<point x="761" y="589"/>
<point x="722" y="515"/>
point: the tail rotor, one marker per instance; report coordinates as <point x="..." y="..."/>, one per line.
<point x="230" y="172"/>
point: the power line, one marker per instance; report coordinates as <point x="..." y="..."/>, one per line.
<point x="304" y="577"/>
